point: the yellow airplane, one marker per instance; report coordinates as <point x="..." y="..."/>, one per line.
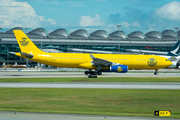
<point x="98" y="62"/>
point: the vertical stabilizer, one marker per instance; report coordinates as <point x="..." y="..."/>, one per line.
<point x="175" y="50"/>
<point x="25" y="44"/>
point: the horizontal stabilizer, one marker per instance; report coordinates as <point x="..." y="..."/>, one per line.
<point x="27" y="55"/>
<point x="12" y="53"/>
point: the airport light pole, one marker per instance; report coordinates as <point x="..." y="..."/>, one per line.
<point x="7" y="56"/>
<point x="176" y="32"/>
<point x="6" y="51"/>
<point x="41" y="30"/>
<point x="118" y="38"/>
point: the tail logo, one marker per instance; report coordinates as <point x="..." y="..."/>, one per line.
<point x="175" y="50"/>
<point x="24" y="42"/>
<point x="152" y="62"/>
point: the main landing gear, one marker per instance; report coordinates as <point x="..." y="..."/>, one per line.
<point x="156" y="72"/>
<point x="93" y="74"/>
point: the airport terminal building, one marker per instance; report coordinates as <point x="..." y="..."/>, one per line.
<point x="60" y="40"/>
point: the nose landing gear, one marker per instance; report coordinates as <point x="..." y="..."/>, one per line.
<point x="156" y="72"/>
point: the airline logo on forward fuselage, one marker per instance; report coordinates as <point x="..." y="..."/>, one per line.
<point x="24" y="42"/>
<point x="152" y="62"/>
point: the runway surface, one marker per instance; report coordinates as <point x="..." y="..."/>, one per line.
<point x="49" y="116"/>
<point x="170" y="86"/>
<point x="39" y="74"/>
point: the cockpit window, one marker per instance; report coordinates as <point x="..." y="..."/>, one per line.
<point x="167" y="60"/>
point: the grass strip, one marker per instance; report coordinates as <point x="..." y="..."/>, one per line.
<point x="100" y="79"/>
<point x="118" y="102"/>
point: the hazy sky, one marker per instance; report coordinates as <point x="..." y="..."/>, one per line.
<point x="92" y="15"/>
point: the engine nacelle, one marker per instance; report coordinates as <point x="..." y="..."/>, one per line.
<point x="174" y="65"/>
<point x="117" y="68"/>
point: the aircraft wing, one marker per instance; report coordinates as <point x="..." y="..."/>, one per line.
<point x="102" y="62"/>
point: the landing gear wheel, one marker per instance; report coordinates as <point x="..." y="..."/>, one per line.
<point x="86" y="72"/>
<point x="92" y="76"/>
<point x="155" y="73"/>
<point x="93" y="73"/>
<point x="99" y="72"/>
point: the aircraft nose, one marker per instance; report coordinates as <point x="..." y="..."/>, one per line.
<point x="170" y="63"/>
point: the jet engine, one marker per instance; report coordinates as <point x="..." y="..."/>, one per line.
<point x="117" y="68"/>
<point x="174" y="65"/>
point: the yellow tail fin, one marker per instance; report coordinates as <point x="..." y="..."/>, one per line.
<point x="25" y="44"/>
